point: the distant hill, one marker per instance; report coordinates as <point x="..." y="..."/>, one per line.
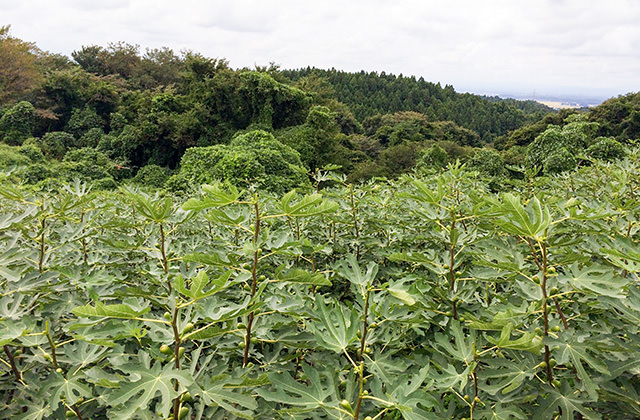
<point x="369" y="94"/>
<point x="561" y="101"/>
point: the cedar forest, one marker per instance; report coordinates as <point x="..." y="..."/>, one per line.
<point x="185" y="240"/>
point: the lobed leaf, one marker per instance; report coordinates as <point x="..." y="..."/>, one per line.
<point x="119" y="310"/>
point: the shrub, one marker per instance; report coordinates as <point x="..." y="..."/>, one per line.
<point x="400" y="158"/>
<point x="515" y="155"/>
<point x="607" y="149"/>
<point x="56" y="143"/>
<point x="254" y="158"/>
<point x="87" y="164"/>
<point x="37" y="172"/>
<point x="32" y="151"/>
<point x="544" y="145"/>
<point x="572" y="137"/>
<point x="10" y="156"/>
<point x="559" y="161"/>
<point x="488" y="162"/>
<point x="117" y="123"/>
<point x="122" y="145"/>
<point x="367" y="170"/>
<point x="91" y="138"/>
<point x="107" y="183"/>
<point x="455" y="151"/>
<point x="82" y="120"/>
<point x="17" y="123"/>
<point x="152" y="175"/>
<point x="179" y="184"/>
<point x="434" y="157"/>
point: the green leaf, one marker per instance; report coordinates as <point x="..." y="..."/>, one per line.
<point x="10" y="330"/>
<point x="624" y="253"/>
<point x="156" y="209"/>
<point x="298" y="275"/>
<point x="500" y="412"/>
<point x="81" y="354"/>
<point x="215" y="394"/>
<point x="145" y="383"/>
<point x="349" y="268"/>
<point x="564" y="399"/>
<point x="309" y="205"/>
<point x="575" y="349"/>
<point x="228" y="216"/>
<point x="217" y="310"/>
<point x="629" y="308"/>
<point x="214" y="196"/>
<point x="426" y="194"/>
<point x="426" y="258"/>
<point x="36" y="412"/>
<point x="247" y="382"/>
<point x="100" y="377"/>
<point x="528" y="341"/>
<point x="201" y="282"/>
<point x="12" y="255"/>
<point x="499" y="321"/>
<point x="625" y="393"/>
<point x="401" y="292"/>
<point x="449" y="377"/>
<point x="597" y="279"/>
<point x="531" y="221"/>
<point x="207" y="333"/>
<point x="505" y="376"/>
<point x="462" y="347"/>
<point x="337" y="326"/>
<point x="67" y="388"/>
<point x="407" y="391"/>
<point x="318" y="393"/>
<point x="119" y="310"/>
<point x="220" y="259"/>
<point x="387" y="368"/>
<point x="9" y="274"/>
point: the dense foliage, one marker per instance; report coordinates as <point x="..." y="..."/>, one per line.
<point x="426" y="298"/>
<point x="370" y="94"/>
<point x="255" y="158"/>
<point x="468" y="281"/>
<point x="150" y="108"/>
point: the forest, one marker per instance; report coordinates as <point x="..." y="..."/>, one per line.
<point x="180" y="239"/>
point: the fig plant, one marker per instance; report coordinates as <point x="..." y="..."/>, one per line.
<point x="422" y="298"/>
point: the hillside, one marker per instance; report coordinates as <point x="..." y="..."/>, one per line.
<point x="115" y="112"/>
<point x="369" y="94"/>
<point x="182" y="240"/>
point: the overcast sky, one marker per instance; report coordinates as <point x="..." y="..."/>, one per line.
<point x="520" y="47"/>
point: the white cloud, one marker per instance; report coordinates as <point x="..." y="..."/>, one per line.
<point x="571" y="45"/>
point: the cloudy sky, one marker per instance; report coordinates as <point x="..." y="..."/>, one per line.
<point x="517" y="47"/>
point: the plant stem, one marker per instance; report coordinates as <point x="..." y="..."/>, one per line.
<point x="176" y="354"/>
<point x="364" y="326"/>
<point x="254" y="282"/>
<point x="12" y="361"/>
<point x="77" y="411"/>
<point x="84" y="240"/>
<point x="41" y="256"/>
<point x="452" y="274"/>
<point x="363" y="345"/>
<point x="356" y="414"/>
<point x="54" y="358"/>
<point x="474" y="375"/>
<point x="355" y="221"/>
<point x="165" y="264"/>
<point x="559" y="310"/>
<point x="545" y="314"/>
